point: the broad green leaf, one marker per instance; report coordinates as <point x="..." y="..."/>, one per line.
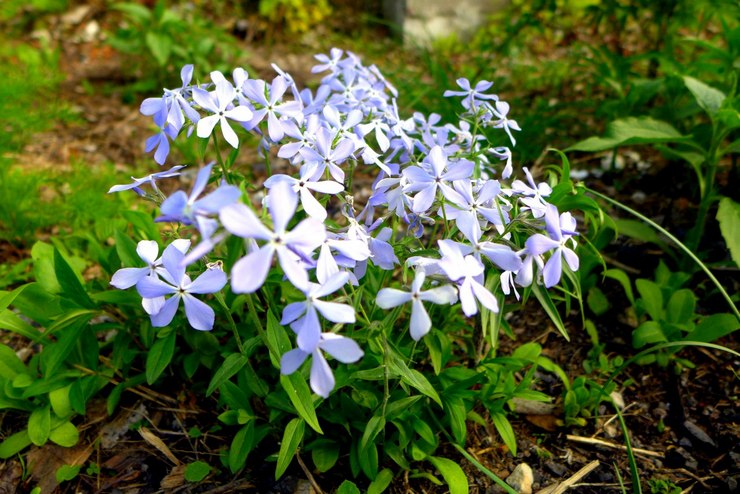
<point x="231" y="365"/>
<point x="65" y="435"/>
<point x="160" y="45"/>
<point x="70" y="281"/>
<point x="631" y="131"/>
<point x="381" y="482"/>
<point x="39" y="425"/>
<point x="414" y="378"/>
<point x="709" y="98"/>
<point x="142" y="223"/>
<point x="126" y="249"/>
<point x="10" y="321"/>
<point x="292" y="438"/>
<point x="7" y="298"/>
<point x="14" y="444"/>
<point x="325" y="455"/>
<point x="159" y="357"/>
<point x="597" y="301"/>
<point x="66" y="473"/>
<point x="713" y="327"/>
<point x="279" y="341"/>
<point x="10" y="364"/>
<point x="136" y="12"/>
<point x="424" y="431"/>
<point x="59" y="399"/>
<point x="348" y="487"/>
<point x="398" y="407"/>
<point x="681" y="306"/>
<point x="639" y="231"/>
<point x="300" y="395"/>
<point x="69" y="330"/>
<point x="728" y="216"/>
<point x="647" y="333"/>
<point x="374" y="426"/>
<point x="43" y="267"/>
<point x="241" y="446"/>
<point x="652" y="298"/>
<point x="503" y="426"/>
<point x="457" y="413"/>
<point x="197" y="471"/>
<point x="456" y="479"/>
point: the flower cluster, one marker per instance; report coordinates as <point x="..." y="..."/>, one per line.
<point x="427" y="177"/>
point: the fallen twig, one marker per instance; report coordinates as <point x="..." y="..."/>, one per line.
<point x="561" y="487"/>
<point x="601" y="442"/>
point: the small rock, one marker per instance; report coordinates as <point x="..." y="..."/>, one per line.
<point x="521" y="479"/>
<point x="698" y="433"/>
<point x="76" y="15"/>
<point x="557" y="468"/>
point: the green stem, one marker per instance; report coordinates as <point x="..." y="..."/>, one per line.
<point x="260" y="328"/>
<point x="220" y="299"/>
<point x="673" y="239"/>
<point x="219" y="159"/>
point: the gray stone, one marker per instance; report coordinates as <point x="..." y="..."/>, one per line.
<point x="521" y="479"/>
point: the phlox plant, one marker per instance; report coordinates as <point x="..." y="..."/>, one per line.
<point x="369" y="234"/>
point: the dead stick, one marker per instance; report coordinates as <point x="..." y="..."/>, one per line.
<point x="599" y="442"/>
<point x="309" y="475"/>
<point x="567" y="484"/>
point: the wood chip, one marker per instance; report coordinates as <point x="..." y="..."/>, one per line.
<point x="561" y="487"/>
<point x="599" y="442"/>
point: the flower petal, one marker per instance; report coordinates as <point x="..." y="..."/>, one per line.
<point x="199" y="314"/>
<point x="152" y="287"/>
<point x="249" y="272"/>
<point x="241" y="221"/>
<point x="166" y="313"/>
<point x="292" y="360"/>
<point x="420" y="322"/>
<point x="127" y="277"/>
<point x="336" y="312"/>
<point x="322" y="378"/>
<point x="345" y="350"/>
<point x="211" y="281"/>
<point x="390" y="297"/>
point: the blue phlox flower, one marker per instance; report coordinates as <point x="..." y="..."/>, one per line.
<point x="293" y="248"/>
<point x="303" y="317"/>
<point x="268" y="104"/>
<point x="328" y="62"/>
<point x="532" y="195"/>
<point x="179" y="286"/>
<point x="561" y="230"/>
<point x="467" y="272"/>
<point x="290" y="81"/>
<point x="305" y="138"/>
<point x="425" y="181"/>
<point x="508" y="285"/>
<point x="501" y="109"/>
<point x="467" y="205"/>
<point x="220" y="104"/>
<point x="190" y="210"/>
<point x="149" y="179"/>
<point x="239" y="76"/>
<point x="327" y="155"/>
<point x="322" y="380"/>
<point x="501" y="255"/>
<point x="472" y="95"/>
<point x="420" y="323"/>
<point x="380" y="131"/>
<point x="304" y="185"/>
<point x="503" y="153"/>
<point x="314" y="103"/>
<point x="348" y="253"/>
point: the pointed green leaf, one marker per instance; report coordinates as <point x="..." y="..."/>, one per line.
<point x="709" y="98"/>
<point x="348" y="487"/>
<point x="241" y="446"/>
<point x="728" y="216"/>
<point x="231" y="365"/>
<point x="70" y="281"/>
<point x="10" y="364"/>
<point x="14" y="444"/>
<point x="197" y="471"/>
<point x="544" y="298"/>
<point x="503" y="426"/>
<point x="159" y="357"/>
<point x="456" y="479"/>
<point x="381" y="482"/>
<point x="39" y="425"/>
<point x="631" y="131"/>
<point x="292" y="438"/>
<point x="414" y="379"/>
<point x="300" y="395"/>
<point x="713" y="327"/>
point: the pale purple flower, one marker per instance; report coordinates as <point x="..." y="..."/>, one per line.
<point x="420" y="322"/>
<point x="348" y="253"/>
<point x="327" y="62"/>
<point x="467" y="272"/>
<point x="472" y="94"/>
<point x="561" y="229"/>
<point x="220" y="104"/>
<point x="343" y="349"/>
<point x="327" y="155"/>
<point x="304" y="185"/>
<point x="293" y="248"/>
<point x="303" y="317"/>
<point x="425" y="182"/>
<point x="501" y="110"/>
<point x="268" y="103"/>
<point x="200" y="315"/>
<point x="532" y="195"/>
<point x="149" y="179"/>
<point x="468" y="205"/>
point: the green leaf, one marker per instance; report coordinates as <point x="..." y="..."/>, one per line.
<point x="160" y="45"/>
<point x="457" y="413"/>
<point x="639" y="231"/>
<point x="374" y="426"/>
<point x="231" y="365"/>
<point x="325" y="455"/>
<point x="503" y="426"/>
<point x="300" y="395"/>
<point x="126" y="249"/>
<point x="292" y="438"/>
<point x="66" y="473"/>
<point x="10" y="321"/>
<point x="709" y="98"/>
<point x="159" y="357"/>
<point x="39" y="425"/>
<point x="241" y="446"/>
<point x="713" y="327"/>
<point x="69" y="328"/>
<point x="624" y="280"/>
<point x="136" y="12"/>
<point x="10" y="364"/>
<point x="652" y="298"/>
<point x="728" y="216"/>
<point x="60" y="403"/>
<point x="597" y="301"/>
<point x="65" y="435"/>
<point x="630" y="131"/>
<point x="197" y="471"/>
<point x="14" y="444"/>
<point x="348" y="487"/>
<point x="70" y="281"/>
<point x="43" y="267"/>
<point x="647" y="333"/>
<point x="681" y="306"/>
<point x="142" y="223"/>
<point x="544" y="298"/>
<point x="414" y="378"/>
<point x="381" y="482"/>
<point x="456" y="479"/>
